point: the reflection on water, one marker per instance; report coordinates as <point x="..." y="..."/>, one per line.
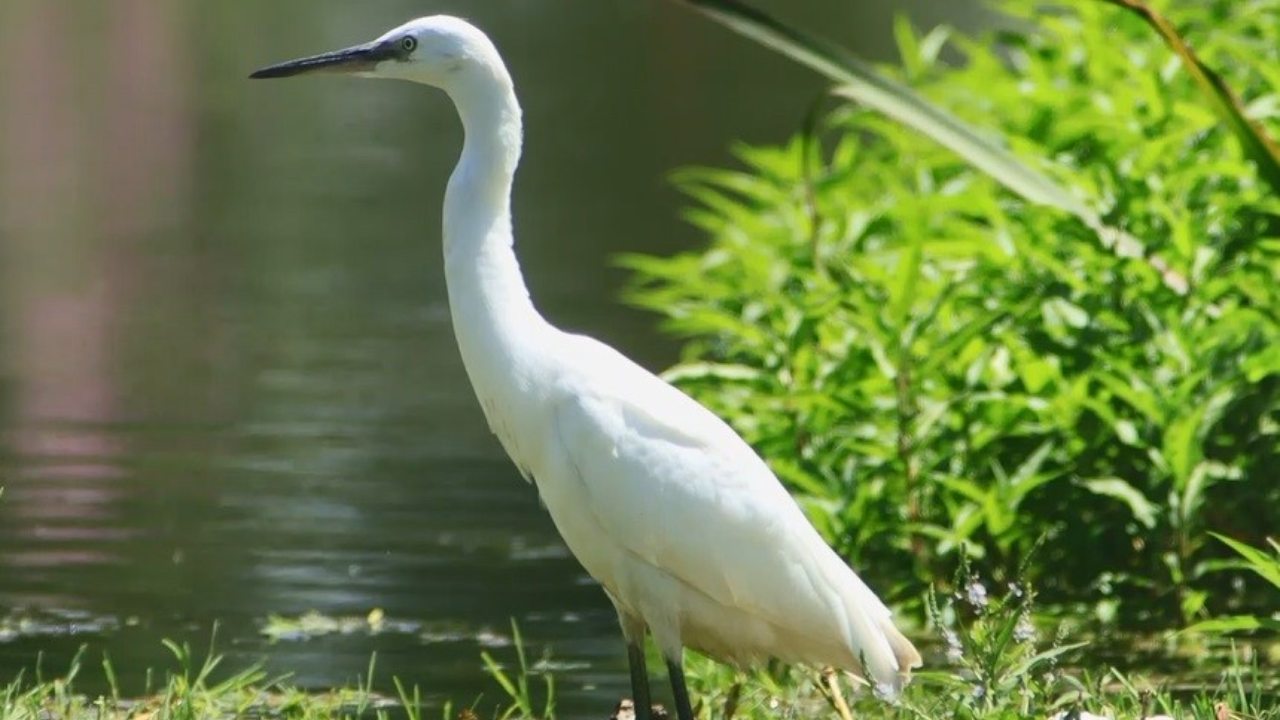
<point x="228" y="386"/>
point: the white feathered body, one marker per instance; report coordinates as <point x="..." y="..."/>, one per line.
<point x="683" y="524"/>
<point x="687" y="529"/>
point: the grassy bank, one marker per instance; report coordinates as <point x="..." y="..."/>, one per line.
<point x="996" y="666"/>
<point x="193" y="689"/>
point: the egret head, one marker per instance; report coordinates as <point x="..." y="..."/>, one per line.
<point x="439" y="50"/>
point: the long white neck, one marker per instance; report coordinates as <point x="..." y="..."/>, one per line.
<point x="499" y="332"/>
<point x="480" y="263"/>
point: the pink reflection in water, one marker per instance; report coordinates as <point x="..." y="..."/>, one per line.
<point x="93" y="156"/>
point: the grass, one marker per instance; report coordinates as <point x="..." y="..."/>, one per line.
<point x="1028" y="686"/>
<point x="990" y="658"/>
<point x="189" y="691"/>
<point x="516" y="683"/>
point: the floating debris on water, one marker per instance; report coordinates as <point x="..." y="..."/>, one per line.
<point x="314" y="624"/>
<point x="547" y="665"/>
<point x="21" y="623"/>
<point x="489" y="639"/>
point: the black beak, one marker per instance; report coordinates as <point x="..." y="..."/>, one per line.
<point x="361" y="58"/>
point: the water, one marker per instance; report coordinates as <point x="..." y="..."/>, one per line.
<point x="228" y="385"/>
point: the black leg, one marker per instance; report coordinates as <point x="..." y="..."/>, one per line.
<point x="639" y="680"/>
<point x="684" y="711"/>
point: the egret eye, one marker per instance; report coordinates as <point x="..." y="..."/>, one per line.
<point x="408" y="43"/>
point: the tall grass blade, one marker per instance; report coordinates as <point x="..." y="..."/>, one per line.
<point x="1257" y="144"/>
<point x="858" y="80"/>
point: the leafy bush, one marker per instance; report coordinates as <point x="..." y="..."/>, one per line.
<point x="936" y="364"/>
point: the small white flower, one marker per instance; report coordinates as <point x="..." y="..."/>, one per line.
<point x="976" y="594"/>
<point x="1025" y="630"/>
<point x="955" y="651"/>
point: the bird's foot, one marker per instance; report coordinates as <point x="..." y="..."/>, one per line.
<point x="626" y="710"/>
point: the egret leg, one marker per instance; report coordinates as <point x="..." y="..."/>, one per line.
<point x="639" y="681"/>
<point x="679" y="691"/>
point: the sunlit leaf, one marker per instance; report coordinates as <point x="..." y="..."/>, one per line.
<point x="1235" y="623"/>
<point x="1257" y="143"/>
<point x="1144" y="511"/>
<point x="1268" y="567"/>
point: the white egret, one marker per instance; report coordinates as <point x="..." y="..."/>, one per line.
<point x="687" y="529"/>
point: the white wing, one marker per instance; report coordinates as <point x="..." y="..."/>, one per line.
<point x="677" y="488"/>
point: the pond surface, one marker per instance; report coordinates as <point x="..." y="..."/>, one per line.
<point x="228" y="384"/>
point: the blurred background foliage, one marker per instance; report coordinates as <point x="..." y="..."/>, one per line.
<point x="938" y="366"/>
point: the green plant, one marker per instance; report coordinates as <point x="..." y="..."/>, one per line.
<point x="936" y="364"/>
<point x="516" y="683"/>
<point x="1036" y="683"/>
<point x="191" y="693"/>
<point x="995" y="662"/>
<point x="1254" y="139"/>
<point x="189" y="690"/>
<point x="1258" y="562"/>
<point x="992" y="649"/>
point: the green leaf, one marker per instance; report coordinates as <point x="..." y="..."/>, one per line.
<point x="1060" y="311"/>
<point x="1184" y="437"/>
<point x="1031" y="465"/>
<point x="1021" y="668"/>
<point x="1134" y="392"/>
<point x="908" y="276"/>
<point x="1264" y="565"/>
<point x="968" y="488"/>
<point x="1265" y="362"/>
<point x="494" y="668"/>
<point x="1127" y="433"/>
<point x="795" y="474"/>
<point x="908" y="45"/>
<point x="1144" y="511"/>
<point x="714" y="371"/>
<point x="1234" y="623"/>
